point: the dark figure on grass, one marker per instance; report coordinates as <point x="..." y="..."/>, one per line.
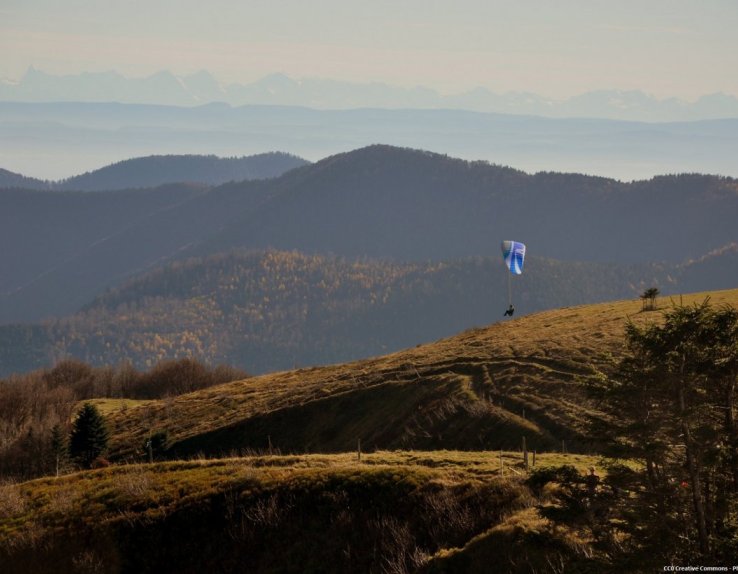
<point x="592" y="480"/>
<point x="510" y="311"/>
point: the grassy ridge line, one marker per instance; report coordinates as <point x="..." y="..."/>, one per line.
<point x="102" y="495"/>
<point x="530" y="368"/>
<point x="262" y="514"/>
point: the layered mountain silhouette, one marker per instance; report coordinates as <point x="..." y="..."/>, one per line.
<point x="157" y="170"/>
<point x="52" y="140"/>
<point x="9" y="179"/>
<point x="279" y="89"/>
<point x="263" y="274"/>
<point x="382" y="201"/>
<point x="379" y="202"/>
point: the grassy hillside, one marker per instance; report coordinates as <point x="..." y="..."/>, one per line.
<point x="429" y="511"/>
<point x="391" y="512"/>
<point x="485" y="388"/>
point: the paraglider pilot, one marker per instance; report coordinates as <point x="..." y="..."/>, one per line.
<point x="513" y="252"/>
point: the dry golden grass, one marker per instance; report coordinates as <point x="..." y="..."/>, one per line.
<point x="259" y="507"/>
<point x="524" y="375"/>
<point x="523" y="542"/>
<point x="12" y="502"/>
<point x="123" y="491"/>
<point x="489" y="376"/>
<point x="110" y="406"/>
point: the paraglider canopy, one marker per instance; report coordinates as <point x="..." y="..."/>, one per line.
<point x="514" y="254"/>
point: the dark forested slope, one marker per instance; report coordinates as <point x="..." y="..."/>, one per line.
<point x="380" y="202"/>
<point x="9" y="179"/>
<point x="407" y="204"/>
<point x="157" y="170"/>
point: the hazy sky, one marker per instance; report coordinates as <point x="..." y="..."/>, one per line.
<point x="557" y="48"/>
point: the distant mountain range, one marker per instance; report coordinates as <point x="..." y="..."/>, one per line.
<point x="57" y="140"/>
<point x="154" y="171"/>
<point x="278" y="89"/>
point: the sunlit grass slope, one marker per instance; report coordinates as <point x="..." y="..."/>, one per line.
<point x="483" y="389"/>
<point x="393" y="511"/>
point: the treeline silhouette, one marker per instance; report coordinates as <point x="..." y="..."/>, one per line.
<point x="31" y="405"/>
<point x="156" y="170"/>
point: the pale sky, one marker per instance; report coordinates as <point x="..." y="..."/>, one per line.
<point x="556" y="48"/>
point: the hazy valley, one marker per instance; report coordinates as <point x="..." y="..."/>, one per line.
<point x="56" y="140"/>
<point x="166" y="88"/>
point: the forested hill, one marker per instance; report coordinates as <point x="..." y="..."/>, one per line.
<point x="157" y="170"/>
<point x="380" y="202"/>
<point x="383" y="201"/>
<point x="160" y="169"/>
<point x="267" y="311"/>
<point x="9" y="180"/>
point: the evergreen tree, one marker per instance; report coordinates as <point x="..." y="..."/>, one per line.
<point x="671" y="406"/>
<point x="89" y="437"/>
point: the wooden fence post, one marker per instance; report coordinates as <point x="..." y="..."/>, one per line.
<point x="525" y="455"/>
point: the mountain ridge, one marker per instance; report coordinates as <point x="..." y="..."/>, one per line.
<point x="165" y="87"/>
<point x="389" y="189"/>
<point x="378" y="202"/>
<point x="158" y="170"/>
<point x="51" y="140"/>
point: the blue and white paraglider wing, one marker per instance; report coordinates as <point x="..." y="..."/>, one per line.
<point x="514" y="254"/>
